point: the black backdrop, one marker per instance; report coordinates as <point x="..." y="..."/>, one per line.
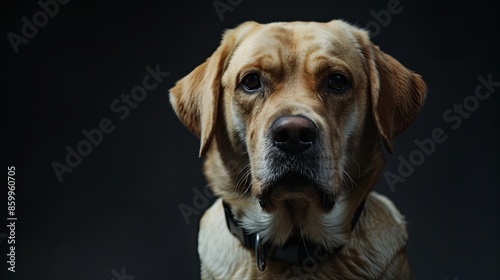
<point x="117" y="212"/>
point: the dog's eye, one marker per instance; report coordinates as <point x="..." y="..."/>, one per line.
<point x="338" y="83"/>
<point x="251" y="82"/>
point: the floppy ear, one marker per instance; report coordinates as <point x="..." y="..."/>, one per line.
<point x="195" y="97"/>
<point x="397" y="94"/>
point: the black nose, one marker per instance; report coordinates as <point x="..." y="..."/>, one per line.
<point x="293" y="134"/>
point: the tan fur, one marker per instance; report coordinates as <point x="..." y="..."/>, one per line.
<point x="293" y="60"/>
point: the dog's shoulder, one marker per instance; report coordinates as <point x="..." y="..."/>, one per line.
<point x="381" y="208"/>
<point x="221" y="255"/>
<point x="382" y="221"/>
<point x="381" y="231"/>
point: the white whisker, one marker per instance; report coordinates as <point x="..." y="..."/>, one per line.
<point x="288" y="233"/>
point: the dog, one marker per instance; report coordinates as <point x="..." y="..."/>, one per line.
<point x="293" y="118"/>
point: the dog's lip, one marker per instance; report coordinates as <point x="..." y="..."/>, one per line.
<point x="293" y="182"/>
<point x="295" y="187"/>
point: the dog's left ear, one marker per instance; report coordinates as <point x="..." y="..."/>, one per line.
<point x="397" y="94"/>
<point x="195" y="97"/>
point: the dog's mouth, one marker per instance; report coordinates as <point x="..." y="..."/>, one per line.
<point x="295" y="191"/>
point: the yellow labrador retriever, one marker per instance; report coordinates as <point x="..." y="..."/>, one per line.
<point x="291" y="118"/>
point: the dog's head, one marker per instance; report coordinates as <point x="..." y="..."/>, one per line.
<point x="291" y="117"/>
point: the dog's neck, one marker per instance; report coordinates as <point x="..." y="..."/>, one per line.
<point x="296" y="251"/>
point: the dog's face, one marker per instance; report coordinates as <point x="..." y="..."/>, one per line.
<point x="291" y="116"/>
<point x="298" y="100"/>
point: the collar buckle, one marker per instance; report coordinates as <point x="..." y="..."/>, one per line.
<point x="260" y="253"/>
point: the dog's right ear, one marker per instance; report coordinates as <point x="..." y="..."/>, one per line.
<point x="195" y="97"/>
<point x="397" y="93"/>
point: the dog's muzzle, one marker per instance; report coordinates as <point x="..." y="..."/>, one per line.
<point x="294" y="162"/>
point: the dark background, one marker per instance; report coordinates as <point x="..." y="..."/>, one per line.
<point x="119" y="207"/>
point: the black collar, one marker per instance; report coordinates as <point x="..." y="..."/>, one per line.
<point x="297" y="252"/>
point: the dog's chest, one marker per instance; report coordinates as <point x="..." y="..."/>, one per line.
<point x="224" y="257"/>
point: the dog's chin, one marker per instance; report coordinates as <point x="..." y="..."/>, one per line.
<point x="295" y="193"/>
